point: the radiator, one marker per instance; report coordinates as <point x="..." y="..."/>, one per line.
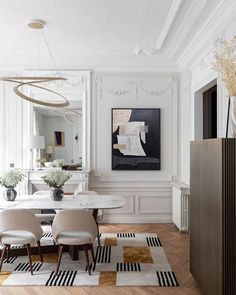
<point x="185" y="216"/>
<point x="181" y="206"/>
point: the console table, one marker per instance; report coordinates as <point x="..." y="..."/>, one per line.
<point x="33" y="181"/>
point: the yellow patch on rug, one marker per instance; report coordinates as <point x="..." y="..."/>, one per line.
<point x="137" y="254"/>
<point x="110" y="242"/>
<point x="3" y="276"/>
<point x="48" y="258"/>
<point x="107" y="278"/>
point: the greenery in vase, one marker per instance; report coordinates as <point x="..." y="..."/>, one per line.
<point x="56" y="178"/>
<point x="11" y="178"/>
<point x="42" y="160"/>
<point x="225" y="63"/>
<point x="58" y="163"/>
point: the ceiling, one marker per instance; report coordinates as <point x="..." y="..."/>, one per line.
<point x="90" y="29"/>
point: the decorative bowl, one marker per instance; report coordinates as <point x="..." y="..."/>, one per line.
<point x="48" y="164"/>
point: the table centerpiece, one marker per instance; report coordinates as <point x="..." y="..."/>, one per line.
<point x="56" y="180"/>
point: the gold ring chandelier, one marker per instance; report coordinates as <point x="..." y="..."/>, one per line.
<point x="32" y="81"/>
<point x="65" y="114"/>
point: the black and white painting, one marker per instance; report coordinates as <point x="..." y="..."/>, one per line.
<point x="136" y="139"/>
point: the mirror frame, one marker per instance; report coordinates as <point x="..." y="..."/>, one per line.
<point x="80" y="81"/>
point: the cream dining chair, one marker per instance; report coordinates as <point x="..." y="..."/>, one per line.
<point x="97" y="213"/>
<point x="19" y="227"/>
<point x="74" y="227"/>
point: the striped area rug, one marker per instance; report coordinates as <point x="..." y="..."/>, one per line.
<point x="123" y="259"/>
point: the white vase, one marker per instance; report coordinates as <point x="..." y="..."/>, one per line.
<point x="232" y="118"/>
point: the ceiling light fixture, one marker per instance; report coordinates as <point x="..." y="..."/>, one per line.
<point x="34" y="81"/>
<point x="64" y="114"/>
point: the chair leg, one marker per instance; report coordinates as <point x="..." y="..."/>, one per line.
<point x="27" y="246"/>
<point x="60" y="248"/>
<point x="92" y="252"/>
<point x="87" y="258"/>
<point x="98" y="235"/>
<point x="95" y="214"/>
<point x="8" y="250"/>
<point x="2" y="256"/>
<point x="39" y="249"/>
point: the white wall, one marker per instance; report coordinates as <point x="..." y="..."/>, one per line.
<point x="14" y="116"/>
<point x="194" y="79"/>
<point x="148" y="193"/>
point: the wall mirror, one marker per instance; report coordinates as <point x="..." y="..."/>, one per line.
<point x="66" y="130"/>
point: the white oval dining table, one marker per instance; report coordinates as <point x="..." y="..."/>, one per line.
<point x="68" y="202"/>
<point x="32" y="202"/>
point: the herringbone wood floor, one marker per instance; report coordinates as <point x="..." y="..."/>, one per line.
<point x="176" y="246"/>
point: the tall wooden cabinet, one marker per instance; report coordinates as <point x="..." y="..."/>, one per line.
<point x="213" y="215"/>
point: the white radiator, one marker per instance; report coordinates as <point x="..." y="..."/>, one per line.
<point x="181" y="206"/>
<point x="185" y="212"/>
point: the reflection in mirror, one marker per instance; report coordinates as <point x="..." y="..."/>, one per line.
<point x="59" y="138"/>
<point x="62" y="129"/>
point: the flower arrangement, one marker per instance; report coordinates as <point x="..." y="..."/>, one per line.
<point x="11" y="178"/>
<point x="42" y="160"/>
<point x="56" y="178"/>
<point x="225" y="63"/>
<point x="58" y="163"/>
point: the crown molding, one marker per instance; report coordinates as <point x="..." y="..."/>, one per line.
<point x="96" y="62"/>
<point x="187" y="23"/>
<point x="224" y="11"/>
<point x="168" y="22"/>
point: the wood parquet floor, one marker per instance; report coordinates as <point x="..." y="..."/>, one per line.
<point x="176" y="246"/>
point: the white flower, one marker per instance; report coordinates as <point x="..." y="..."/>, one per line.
<point x="56" y="178"/>
<point x="11" y="178"/>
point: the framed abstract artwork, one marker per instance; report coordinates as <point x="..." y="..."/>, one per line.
<point x="136" y="139"/>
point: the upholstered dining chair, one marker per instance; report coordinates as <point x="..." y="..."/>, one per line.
<point x="97" y="213"/>
<point x="19" y="227"/>
<point x="47" y="215"/>
<point x="74" y="227"/>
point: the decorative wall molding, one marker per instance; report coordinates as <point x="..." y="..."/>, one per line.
<point x="139" y="188"/>
<point x="141" y="207"/>
<point x="135" y="87"/>
<point x="201" y="71"/>
<point x="74" y="81"/>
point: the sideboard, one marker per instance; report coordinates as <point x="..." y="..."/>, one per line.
<point x="213" y="215"/>
<point x="33" y="181"/>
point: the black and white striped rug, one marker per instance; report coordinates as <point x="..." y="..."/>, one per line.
<point x="123" y="259"/>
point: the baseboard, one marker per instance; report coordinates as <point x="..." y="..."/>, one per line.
<point x="137" y="219"/>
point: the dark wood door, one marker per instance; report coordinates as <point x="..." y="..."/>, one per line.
<point x="210" y="113"/>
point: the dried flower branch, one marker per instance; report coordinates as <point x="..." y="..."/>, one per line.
<point x="225" y="63"/>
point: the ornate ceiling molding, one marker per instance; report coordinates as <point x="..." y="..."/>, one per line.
<point x="168" y="22"/>
<point x="184" y="28"/>
<point x="222" y="13"/>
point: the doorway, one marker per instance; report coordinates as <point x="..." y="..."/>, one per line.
<point x="210" y="113"/>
